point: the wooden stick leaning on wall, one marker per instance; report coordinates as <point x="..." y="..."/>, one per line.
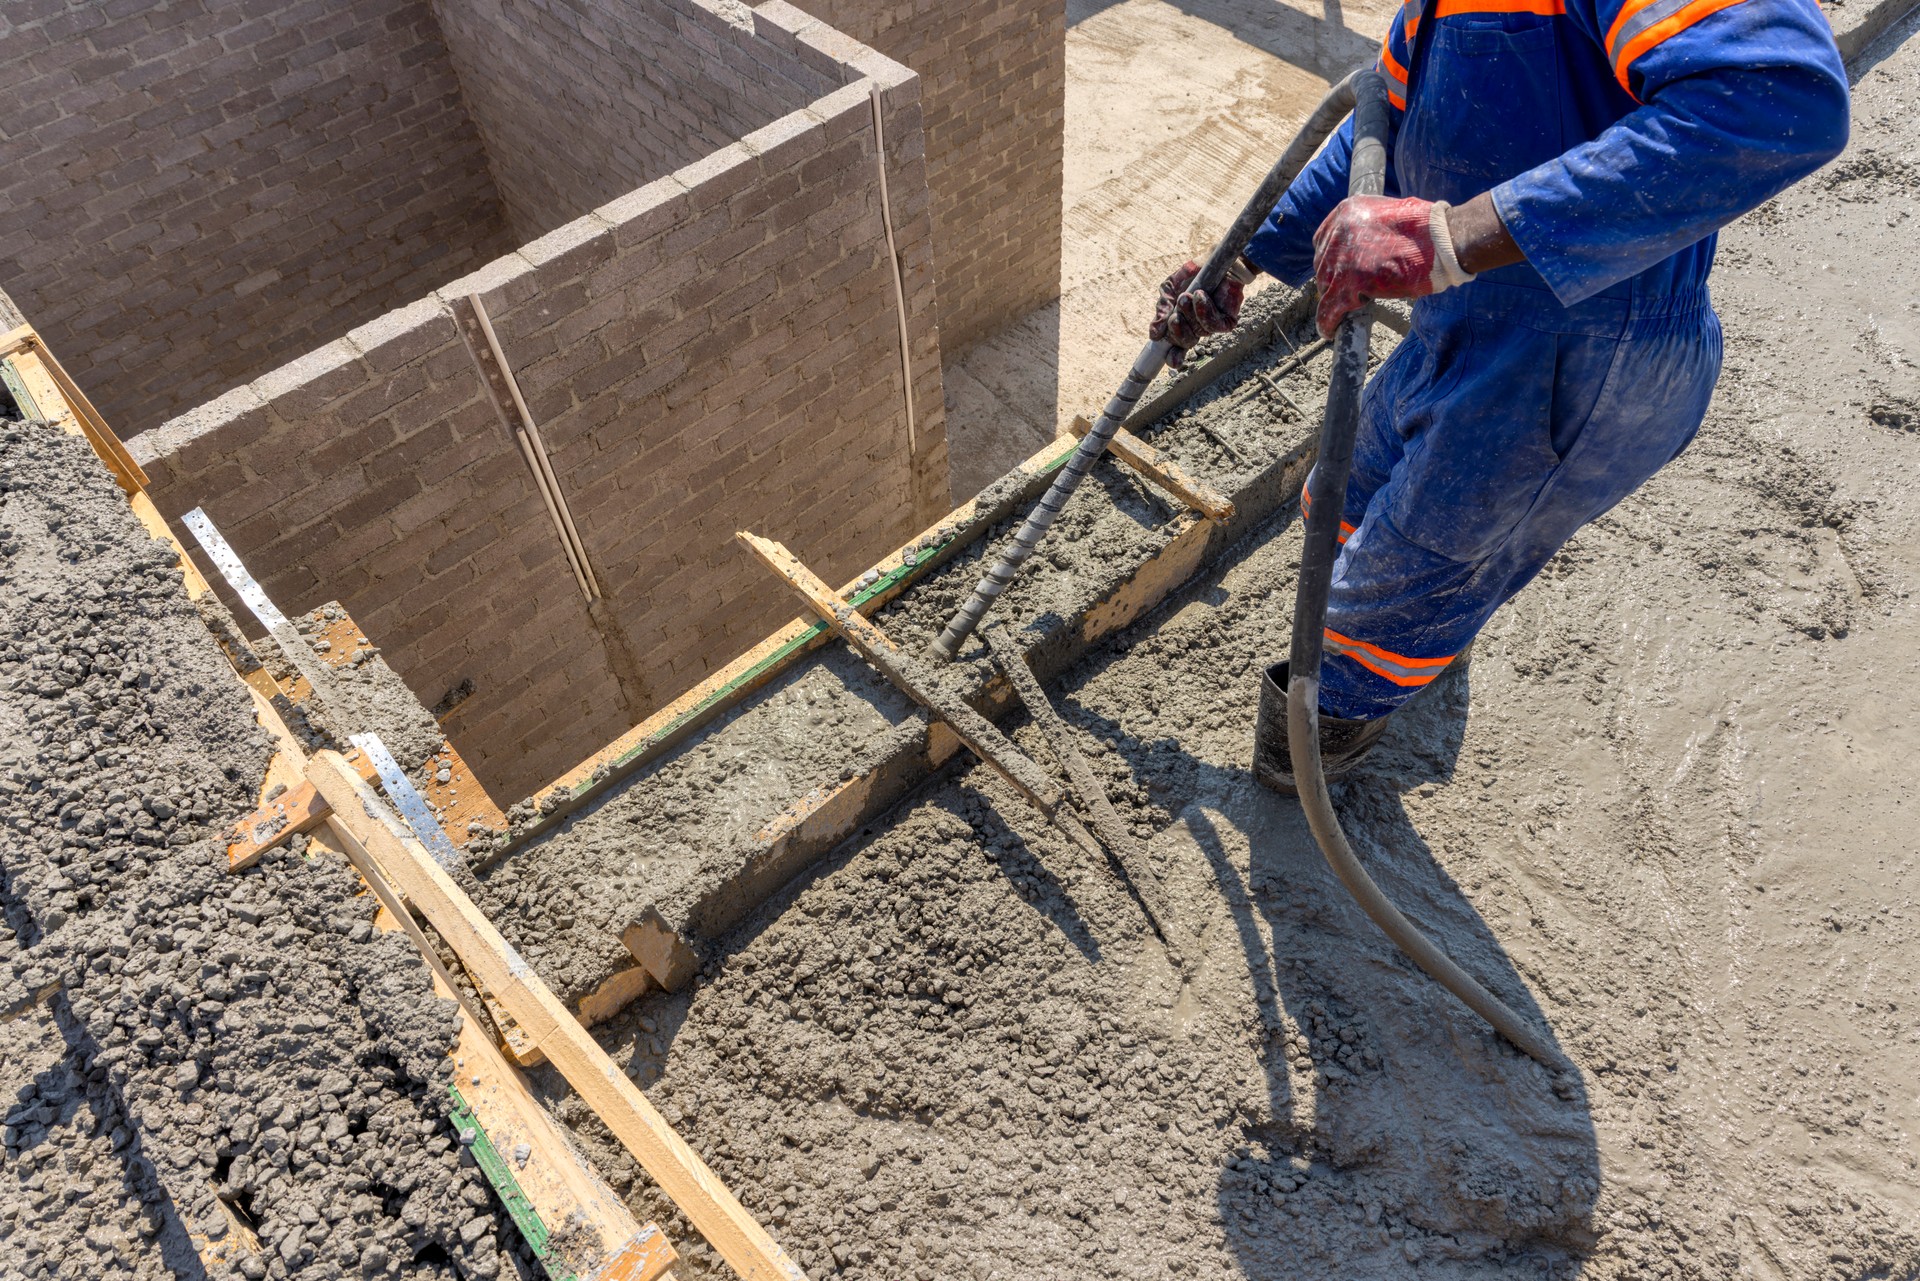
<point x="126" y="472"/>
<point x="682" y="1175"/>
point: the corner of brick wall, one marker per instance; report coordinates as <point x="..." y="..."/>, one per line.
<point x="729" y="358"/>
<point x="375" y="471"/>
<point x="195" y="192"/>
<point x="718" y="349"/>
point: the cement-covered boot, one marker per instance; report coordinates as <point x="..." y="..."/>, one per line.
<point x="1342" y="742"/>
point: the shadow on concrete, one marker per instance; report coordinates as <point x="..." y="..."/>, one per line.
<point x="1398" y="1131"/>
<point x="1001" y="401"/>
<point x="1326" y="46"/>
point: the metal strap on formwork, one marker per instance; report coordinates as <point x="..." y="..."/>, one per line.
<point x="228" y="564"/>
<point x="413" y="806"/>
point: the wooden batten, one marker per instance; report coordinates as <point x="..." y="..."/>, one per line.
<point x="706" y="1201"/>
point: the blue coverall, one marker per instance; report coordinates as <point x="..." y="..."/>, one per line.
<point x="1616" y="138"/>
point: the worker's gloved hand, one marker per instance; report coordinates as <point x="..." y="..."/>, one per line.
<point x="1372" y="247"/>
<point x="1184" y="315"/>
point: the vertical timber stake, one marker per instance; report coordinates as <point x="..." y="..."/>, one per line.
<point x="899" y="282"/>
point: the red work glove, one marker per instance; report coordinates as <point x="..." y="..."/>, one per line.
<point x="1372" y="247"/>
<point x="1184" y="316"/>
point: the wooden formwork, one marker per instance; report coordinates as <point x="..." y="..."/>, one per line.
<point x="573" y="1221"/>
<point x="331" y="797"/>
<point x="666" y="952"/>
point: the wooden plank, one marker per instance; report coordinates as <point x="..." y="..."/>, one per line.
<point x="975" y="730"/>
<point x="552" y="1180"/>
<point x="869" y="593"/>
<point x="681" y="1174"/>
<point x="274" y="824"/>
<point x="618" y="992"/>
<point x="46" y="393"/>
<point x="32" y="351"/>
<point x="1164" y="472"/>
<point x="1121" y="843"/>
<point x="601" y="1239"/>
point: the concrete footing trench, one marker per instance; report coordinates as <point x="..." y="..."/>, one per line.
<point x="1666" y="813"/>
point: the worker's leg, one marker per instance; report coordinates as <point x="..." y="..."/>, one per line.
<point x="1507" y="443"/>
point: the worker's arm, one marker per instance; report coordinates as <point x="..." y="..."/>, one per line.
<point x="1741" y="100"/>
<point x="1283" y="247"/>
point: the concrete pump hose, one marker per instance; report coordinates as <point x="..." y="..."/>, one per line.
<point x="1152" y="358"/>
<point x="1329" y="485"/>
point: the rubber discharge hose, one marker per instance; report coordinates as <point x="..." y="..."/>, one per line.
<point x="1152" y="358"/>
<point x="1328" y="487"/>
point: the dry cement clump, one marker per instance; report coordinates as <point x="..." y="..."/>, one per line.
<point x="265" y="1073"/>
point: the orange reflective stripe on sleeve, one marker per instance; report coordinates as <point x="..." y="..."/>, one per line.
<point x="1391" y="65"/>
<point x="1398" y="668"/>
<point x="1395" y="73"/>
<point x="1642" y="24"/>
<point x="1306" y="507"/>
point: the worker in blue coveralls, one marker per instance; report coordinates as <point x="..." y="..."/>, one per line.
<point x="1557" y="171"/>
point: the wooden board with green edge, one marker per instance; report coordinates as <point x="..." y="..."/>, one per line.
<point x="615" y="763"/>
<point x="563" y="799"/>
<point x="535" y="1233"/>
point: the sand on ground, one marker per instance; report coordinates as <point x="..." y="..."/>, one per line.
<point x="1668" y="812"/>
<point x="1174" y="112"/>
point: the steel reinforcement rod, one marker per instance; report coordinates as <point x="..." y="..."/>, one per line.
<point x="1328" y="485"/>
<point x="1153" y="357"/>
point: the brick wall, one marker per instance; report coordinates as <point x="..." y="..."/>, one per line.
<point x="716" y="350"/>
<point x="197" y="191"/>
<point x="580" y="101"/>
<point x="994" y="81"/>
<point x="733" y="363"/>
<point x="375" y="471"/>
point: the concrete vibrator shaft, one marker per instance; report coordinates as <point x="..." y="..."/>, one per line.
<point x="1328" y="486"/>
<point x="1153" y="357"/>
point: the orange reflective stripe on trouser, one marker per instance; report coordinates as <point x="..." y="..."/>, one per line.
<point x="1398" y="668"/>
<point x="1306" y="507"/>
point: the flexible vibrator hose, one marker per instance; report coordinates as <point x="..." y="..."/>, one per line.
<point x="1328" y="488"/>
<point x="1152" y="358"/>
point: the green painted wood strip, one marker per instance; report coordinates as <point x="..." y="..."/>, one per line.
<point x="536" y="1234"/>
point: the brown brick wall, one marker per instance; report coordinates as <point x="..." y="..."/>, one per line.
<point x="375" y="471"/>
<point x="731" y="361"/>
<point x="198" y="191"/>
<point x="994" y="83"/>
<point x="580" y="101"/>
<point x="716" y="350"/>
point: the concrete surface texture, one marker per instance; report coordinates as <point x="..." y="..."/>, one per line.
<point x="696" y="841"/>
<point x="1664" y="812"/>
<point x="719" y="347"/>
<point x="236" y="1075"/>
<point x="197" y="192"/>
